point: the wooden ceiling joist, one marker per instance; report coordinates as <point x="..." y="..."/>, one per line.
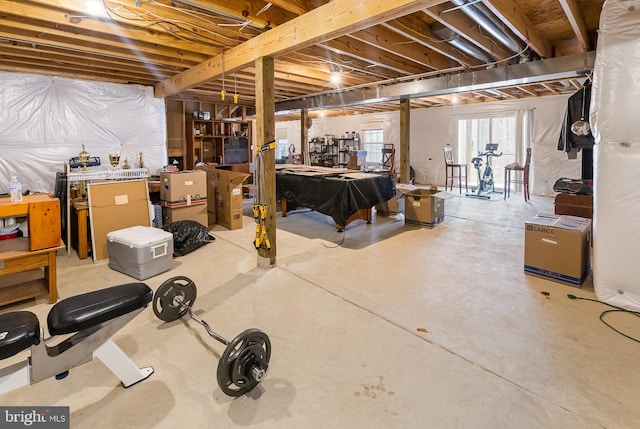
<point x="324" y="23"/>
<point x="572" y="10"/>
<point x="511" y="15"/>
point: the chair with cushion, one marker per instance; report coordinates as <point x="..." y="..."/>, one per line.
<point x="516" y="168"/>
<point x="454" y="170"/>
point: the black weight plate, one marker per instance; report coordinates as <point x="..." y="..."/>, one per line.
<point x="249" y="348"/>
<point x="164" y="306"/>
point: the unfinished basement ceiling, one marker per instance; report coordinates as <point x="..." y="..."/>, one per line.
<point x="435" y="52"/>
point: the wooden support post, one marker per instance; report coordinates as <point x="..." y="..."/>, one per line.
<point x="265" y="133"/>
<point x="405" y="138"/>
<point x="304" y="136"/>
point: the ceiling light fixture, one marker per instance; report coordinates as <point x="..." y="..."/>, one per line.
<point x="96" y="8"/>
<point x="335" y="78"/>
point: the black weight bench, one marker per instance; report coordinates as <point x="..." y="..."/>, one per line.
<point x="93" y="318"/>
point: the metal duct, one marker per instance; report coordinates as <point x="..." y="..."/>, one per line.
<point x="488" y="21"/>
<point x="460" y="43"/>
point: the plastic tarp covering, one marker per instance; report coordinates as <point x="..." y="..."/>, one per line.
<point x="45" y="120"/>
<point x="336" y="196"/>
<point x="614" y="120"/>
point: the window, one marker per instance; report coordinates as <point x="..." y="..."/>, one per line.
<point x="373" y="141"/>
<point x="509" y="130"/>
<point x="282" y="143"/>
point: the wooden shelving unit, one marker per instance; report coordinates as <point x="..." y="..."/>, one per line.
<point x="184" y="148"/>
<point x="220" y="142"/>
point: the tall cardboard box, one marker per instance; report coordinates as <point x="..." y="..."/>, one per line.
<point x="210" y="170"/>
<point x="229" y="198"/>
<point x="424" y="207"/>
<point x="556" y="247"/>
<point x="197" y="212"/>
<point x="183" y="188"/>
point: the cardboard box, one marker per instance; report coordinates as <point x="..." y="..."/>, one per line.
<point x="115" y="205"/>
<point x="196" y="212"/>
<point x="183" y="188"/>
<point x="140" y="251"/>
<point x="391" y="207"/>
<point x="226" y="203"/>
<point x="556" y="247"/>
<point x="574" y="205"/>
<point x="423" y="206"/>
<point x="211" y="202"/>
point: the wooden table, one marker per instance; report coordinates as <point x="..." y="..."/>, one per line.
<point x="16" y="259"/>
<point x="21" y="258"/>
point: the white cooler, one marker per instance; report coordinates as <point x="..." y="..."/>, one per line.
<point x="140" y="251"/>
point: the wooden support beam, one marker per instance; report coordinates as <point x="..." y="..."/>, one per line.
<point x="572" y="10"/>
<point x="405" y="138"/>
<point x="324" y="23"/>
<point x="265" y="133"/>
<point x="304" y="136"/>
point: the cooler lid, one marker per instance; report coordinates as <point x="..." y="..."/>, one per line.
<point x="139" y="236"/>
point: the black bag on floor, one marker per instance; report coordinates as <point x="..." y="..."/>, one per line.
<point x="572" y="186"/>
<point x="188" y="235"/>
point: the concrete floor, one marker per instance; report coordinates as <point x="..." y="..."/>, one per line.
<point x="384" y="325"/>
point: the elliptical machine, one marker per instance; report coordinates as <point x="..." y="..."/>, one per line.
<point x="485" y="180"/>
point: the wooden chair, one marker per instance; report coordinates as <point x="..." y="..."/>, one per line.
<point x="454" y="170"/>
<point x="523" y="180"/>
<point x="388" y="158"/>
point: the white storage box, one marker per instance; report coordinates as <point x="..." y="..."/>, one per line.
<point x="140" y="251"/>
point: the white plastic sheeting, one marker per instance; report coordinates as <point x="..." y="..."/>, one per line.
<point x="614" y="118"/>
<point x="44" y="121"/>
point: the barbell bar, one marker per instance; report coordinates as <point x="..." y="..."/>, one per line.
<point x="245" y="360"/>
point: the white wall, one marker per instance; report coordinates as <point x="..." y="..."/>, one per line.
<point x="434" y="128"/>
<point x="44" y="121"/>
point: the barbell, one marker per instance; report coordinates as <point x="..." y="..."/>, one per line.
<point x="245" y="360"/>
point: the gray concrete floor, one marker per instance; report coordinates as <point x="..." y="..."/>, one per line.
<point x="384" y="325"/>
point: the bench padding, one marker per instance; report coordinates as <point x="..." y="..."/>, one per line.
<point x="93" y="308"/>
<point x="19" y="330"/>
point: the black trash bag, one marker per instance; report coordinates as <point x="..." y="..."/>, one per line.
<point x="188" y="235"/>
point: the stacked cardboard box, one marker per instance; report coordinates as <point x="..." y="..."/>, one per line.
<point x="183" y="196"/>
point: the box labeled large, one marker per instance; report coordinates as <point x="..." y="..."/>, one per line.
<point x="140" y="251"/>
<point x="423" y="206"/>
<point x="556" y="247"/>
<point x="196" y="213"/>
<point x="183" y="188"/>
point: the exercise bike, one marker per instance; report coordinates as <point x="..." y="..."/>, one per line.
<point x="485" y="179"/>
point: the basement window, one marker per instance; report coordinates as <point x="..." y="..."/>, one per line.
<point x="282" y="143"/>
<point x="373" y="141"/>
